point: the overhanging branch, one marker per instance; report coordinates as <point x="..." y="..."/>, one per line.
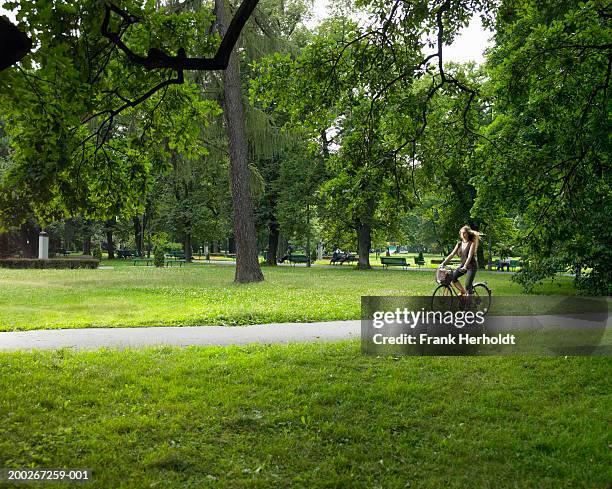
<point x="156" y="58"/>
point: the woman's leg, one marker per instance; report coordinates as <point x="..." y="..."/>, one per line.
<point x="469" y="279"/>
<point x="456" y="274"/>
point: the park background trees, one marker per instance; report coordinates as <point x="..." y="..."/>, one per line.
<point x="356" y="132"/>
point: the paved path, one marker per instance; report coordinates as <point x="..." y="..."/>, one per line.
<point x="93" y="338"/>
<point x="280" y="333"/>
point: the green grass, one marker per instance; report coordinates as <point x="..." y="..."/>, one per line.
<point x="307" y="416"/>
<point x="205" y="294"/>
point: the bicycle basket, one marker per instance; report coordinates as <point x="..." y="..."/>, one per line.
<point x="444" y="276"/>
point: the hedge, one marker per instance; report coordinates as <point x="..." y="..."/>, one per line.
<point x="51" y="263"/>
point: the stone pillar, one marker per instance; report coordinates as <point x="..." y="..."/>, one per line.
<point x="43" y="246"/>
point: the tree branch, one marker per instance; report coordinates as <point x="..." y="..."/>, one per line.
<point x="156" y="58"/>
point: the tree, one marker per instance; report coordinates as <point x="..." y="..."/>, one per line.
<point x="109" y="84"/>
<point x="448" y="157"/>
<point x="358" y="81"/>
<point x="302" y="171"/>
<point x="192" y="201"/>
<point x="550" y="73"/>
<point x="75" y="153"/>
<point x="247" y="263"/>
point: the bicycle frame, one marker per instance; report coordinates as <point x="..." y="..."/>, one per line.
<point x="465" y="301"/>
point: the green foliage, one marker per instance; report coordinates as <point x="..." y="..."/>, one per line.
<point x="550" y="74"/>
<point x="97" y="252"/>
<point x="368" y="90"/>
<point x="72" y="154"/>
<point x="193" y="198"/>
<point x="301" y="173"/>
<point x="159" y="254"/>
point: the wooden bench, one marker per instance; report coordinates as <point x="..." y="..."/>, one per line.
<point x="175" y="261"/>
<point x="435" y="261"/>
<point x="342" y="259"/>
<point x="175" y="255"/>
<point x="393" y="261"/>
<point x="145" y="261"/>
<point x="293" y="259"/>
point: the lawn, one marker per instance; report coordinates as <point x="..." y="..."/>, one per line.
<point x="205" y="294"/>
<point x="307" y="416"/>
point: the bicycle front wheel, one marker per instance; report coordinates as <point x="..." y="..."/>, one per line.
<point x="481" y="298"/>
<point x="442" y="299"/>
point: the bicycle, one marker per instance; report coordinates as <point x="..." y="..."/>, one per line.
<point x="446" y="297"/>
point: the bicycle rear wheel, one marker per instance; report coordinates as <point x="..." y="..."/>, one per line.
<point x="481" y="298"/>
<point x="442" y="299"/>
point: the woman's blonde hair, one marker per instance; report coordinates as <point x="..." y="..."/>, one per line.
<point x="472" y="235"/>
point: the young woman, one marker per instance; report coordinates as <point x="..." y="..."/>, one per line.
<point x="466" y="249"/>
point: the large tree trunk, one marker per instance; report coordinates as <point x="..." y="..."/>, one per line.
<point x="187" y="248"/>
<point x="364" y="240"/>
<point x="273" y="233"/>
<point x="110" y="243"/>
<point x="87" y="237"/>
<point x="247" y="263"/>
<point x="87" y="243"/>
<point x="4" y="245"/>
<point x="138" y="235"/>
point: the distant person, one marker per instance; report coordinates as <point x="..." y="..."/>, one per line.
<point x="503" y="262"/>
<point x="466" y="249"/>
<point x="336" y="255"/>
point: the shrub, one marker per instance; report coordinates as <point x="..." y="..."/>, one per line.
<point x="174" y="247"/>
<point x="158" y="256"/>
<point x="97" y="253"/>
<point x="51" y="263"/>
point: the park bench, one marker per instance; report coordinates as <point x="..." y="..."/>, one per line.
<point x="342" y="259"/>
<point x="419" y="262"/>
<point x="124" y="254"/>
<point x="393" y="261"/>
<point x="175" y="262"/>
<point x="293" y="259"/>
<point x="436" y="261"/>
<point x="143" y="261"/>
<point x="175" y="255"/>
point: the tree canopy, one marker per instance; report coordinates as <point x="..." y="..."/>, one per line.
<point x="357" y="132"/>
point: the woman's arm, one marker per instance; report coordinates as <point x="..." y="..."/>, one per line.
<point x="452" y="253"/>
<point x="473" y="249"/>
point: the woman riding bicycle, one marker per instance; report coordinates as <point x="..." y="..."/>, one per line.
<point x="466" y="249"/>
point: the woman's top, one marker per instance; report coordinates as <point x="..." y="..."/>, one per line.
<point x="464" y="251"/>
